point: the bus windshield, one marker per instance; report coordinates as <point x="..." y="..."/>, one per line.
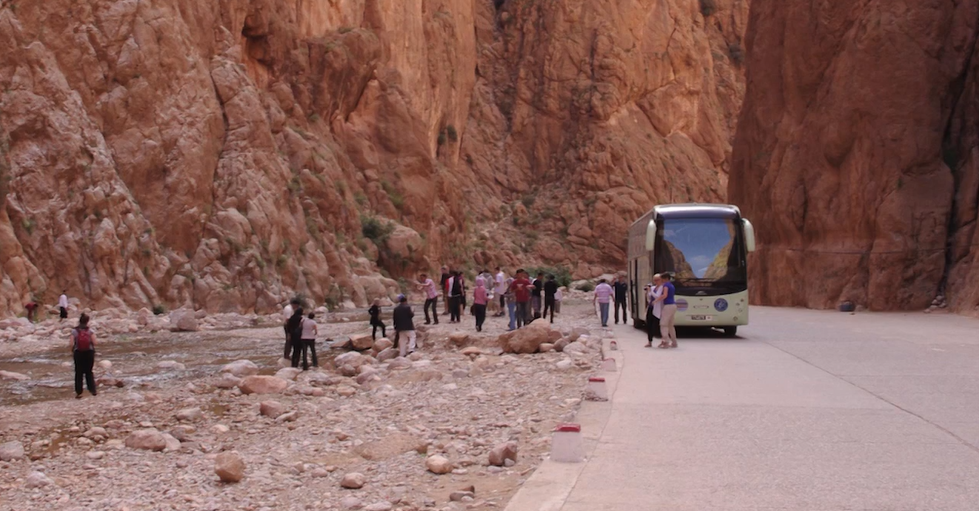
<point x="705" y="255"/>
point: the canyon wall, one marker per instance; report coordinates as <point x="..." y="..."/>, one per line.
<point x="856" y="153"/>
<point x="225" y="155"/>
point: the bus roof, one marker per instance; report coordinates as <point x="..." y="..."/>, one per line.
<point x="693" y="210"/>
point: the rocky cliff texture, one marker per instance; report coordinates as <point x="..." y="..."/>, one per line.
<point x="226" y="154"/>
<point x="856" y="152"/>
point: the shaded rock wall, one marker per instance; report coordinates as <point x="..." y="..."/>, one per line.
<point x="853" y="115"/>
<point x="228" y="154"/>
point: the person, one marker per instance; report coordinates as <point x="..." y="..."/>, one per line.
<point x="479" y="303"/>
<point x="463" y="290"/>
<point x="558" y="295"/>
<point x="308" y="336"/>
<point x="63" y="305"/>
<point x="550" y="290"/>
<point x="404" y="326"/>
<point x="654" y="309"/>
<point x="666" y="320"/>
<point x="431" y="298"/>
<point x="501" y="288"/>
<point x="621" y="288"/>
<point x="295" y="326"/>
<point x="535" y="294"/>
<point x="455" y="298"/>
<point x="82" y="344"/>
<point x="521" y="288"/>
<point x="603" y="295"/>
<point x="445" y="284"/>
<point x="375" y="312"/>
<point x="287" y="312"/>
<point x="31" y="307"/>
<point x="511" y="304"/>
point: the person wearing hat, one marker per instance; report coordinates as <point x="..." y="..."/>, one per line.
<point x="404" y="324"/>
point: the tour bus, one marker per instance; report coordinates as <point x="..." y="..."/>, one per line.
<point x="705" y="247"/>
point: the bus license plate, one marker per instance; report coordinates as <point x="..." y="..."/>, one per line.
<point x="700" y="317"/>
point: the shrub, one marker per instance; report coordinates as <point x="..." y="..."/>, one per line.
<point x="736" y="52"/>
<point x="442" y="138"/>
<point x="587" y="287"/>
<point x="450" y="130"/>
<point x="561" y="274"/>
<point x="528" y="200"/>
<point x="374" y="229"/>
<point x="299" y="297"/>
<point x="394" y="195"/>
<point x="159" y="310"/>
<point x="707" y="7"/>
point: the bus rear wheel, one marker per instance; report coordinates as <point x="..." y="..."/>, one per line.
<point x="730" y="331"/>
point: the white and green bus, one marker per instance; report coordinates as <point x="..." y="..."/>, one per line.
<point x="705" y="247"/>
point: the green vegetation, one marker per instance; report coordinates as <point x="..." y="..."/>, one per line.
<point x="360" y="198"/>
<point x="295" y="184"/>
<point x="736" y="52"/>
<point x="375" y="230"/>
<point x="159" y="310"/>
<point x="394" y="195"/>
<point x="299" y="297"/>
<point x="28" y="224"/>
<point x="345" y="30"/>
<point x="561" y="274"/>
<point x="587" y="287"/>
<point x="528" y="200"/>
<point x="442" y="138"/>
<point x="280" y="262"/>
<point x="450" y="130"/>
<point x="707" y="7"/>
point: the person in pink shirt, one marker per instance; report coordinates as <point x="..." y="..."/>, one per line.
<point x="603" y="296"/>
<point x="427" y="286"/>
<point x="479" y="303"/>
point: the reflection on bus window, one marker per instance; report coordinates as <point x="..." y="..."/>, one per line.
<point x="700" y="250"/>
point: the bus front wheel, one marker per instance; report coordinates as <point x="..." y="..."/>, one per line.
<point x="730" y="331"/>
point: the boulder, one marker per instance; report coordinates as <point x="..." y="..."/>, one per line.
<point x="351" y="503"/>
<point x="10" y="375"/>
<point x="379" y="506"/>
<point x="288" y="373"/>
<point x="459" y="339"/>
<point x="575" y="348"/>
<point x="361" y="342"/>
<point x="271" y="409"/>
<point x="472" y="352"/>
<point x="527" y="339"/>
<point x="227" y="381"/>
<point x="259" y="384"/>
<point x="11" y="451"/>
<point x="37" y="480"/>
<point x="382" y="344"/>
<point x="146" y="439"/>
<point x="461" y="495"/>
<point x="105" y="364"/>
<point x="189" y="414"/>
<point x="229" y="467"/>
<point x="438" y="465"/>
<point x="183" y="321"/>
<point x="353" y="481"/>
<point x="561" y="344"/>
<point x="502" y="452"/>
<point x="577" y="332"/>
<point x="241" y="368"/>
<point x="348" y="370"/>
<point x="352" y="358"/>
<point x="387" y="354"/>
<point x="172" y="443"/>
<point x="546" y="347"/>
<point x="366" y="376"/>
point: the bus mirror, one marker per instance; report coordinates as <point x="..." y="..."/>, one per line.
<point x="749" y="235"/>
<point x="650" y="235"/>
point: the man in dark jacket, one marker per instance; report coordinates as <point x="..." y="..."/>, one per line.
<point x="535" y="294"/>
<point x="550" y="289"/>
<point x="621" y="288"/>
<point x="294" y="327"/>
<point x="404" y="325"/>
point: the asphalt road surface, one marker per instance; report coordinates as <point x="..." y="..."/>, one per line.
<point x="806" y="410"/>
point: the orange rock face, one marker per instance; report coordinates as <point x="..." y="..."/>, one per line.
<point x="854" y="153"/>
<point x="224" y="155"/>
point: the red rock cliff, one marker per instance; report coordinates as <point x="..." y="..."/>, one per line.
<point x="855" y="154"/>
<point x="226" y="154"/>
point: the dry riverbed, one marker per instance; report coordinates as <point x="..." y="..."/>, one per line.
<point x="383" y="423"/>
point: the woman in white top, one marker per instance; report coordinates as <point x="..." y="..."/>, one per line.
<point x="308" y="340"/>
<point x="654" y="309"/>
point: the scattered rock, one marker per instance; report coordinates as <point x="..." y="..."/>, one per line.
<point x="10" y="375"/>
<point x="387" y="354"/>
<point x="105" y="364"/>
<point x="96" y="433"/>
<point x="229" y="467"/>
<point x="459" y="496"/>
<point x="288" y="373"/>
<point x="147" y="439"/>
<point x="183" y="321"/>
<point x="472" y="352"/>
<point x="259" y="384"/>
<point x="527" y="339"/>
<point x="379" y="506"/>
<point x="352" y="358"/>
<point x="564" y="364"/>
<point x="12" y="450"/>
<point x="459" y="339"/>
<point x="438" y="465"/>
<point x="350" y="503"/>
<point x="228" y="381"/>
<point x="241" y="368"/>
<point x="348" y="370"/>
<point x="353" y="481"/>
<point x="360" y="342"/>
<point x="546" y="347"/>
<point x="503" y="452"/>
<point x="171" y="364"/>
<point x="95" y="455"/>
<point x="189" y="414"/>
<point x="346" y="390"/>
<point x="271" y="409"/>
<point x="172" y="443"/>
<point x="37" y="480"/>
<point x="382" y="344"/>
<point x="561" y="344"/>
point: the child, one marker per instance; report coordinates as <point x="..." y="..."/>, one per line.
<point x="375" y="312"/>
<point x="82" y="345"/>
<point x="309" y="340"/>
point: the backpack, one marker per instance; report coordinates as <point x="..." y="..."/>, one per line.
<point x="83" y="340"/>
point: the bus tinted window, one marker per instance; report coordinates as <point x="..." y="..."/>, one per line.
<point x="699" y="251"/>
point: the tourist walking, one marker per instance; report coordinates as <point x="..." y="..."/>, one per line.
<point x="82" y="346"/>
<point x="63" y="306"/>
<point x="375" y="312"/>
<point x="479" y="303"/>
<point x="445" y="283"/>
<point x="654" y="309"/>
<point x="621" y="289"/>
<point x="603" y="297"/>
<point x="501" y="289"/>
<point x="463" y="290"/>
<point x="666" y="322"/>
<point x="455" y="298"/>
<point x="309" y="333"/>
<point x="510" y="299"/>
<point x="295" y="326"/>
<point x="550" y="290"/>
<point x="287" y="312"/>
<point x="521" y="288"/>
<point x="31" y="308"/>
<point x="427" y="286"/>
<point x="404" y="326"/>
<point x="536" y="294"/>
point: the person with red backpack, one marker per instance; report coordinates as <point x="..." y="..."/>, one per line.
<point x="83" y="349"/>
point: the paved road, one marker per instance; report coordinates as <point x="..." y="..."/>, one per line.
<point x="808" y="410"/>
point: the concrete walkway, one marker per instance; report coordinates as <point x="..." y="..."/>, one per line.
<point x="807" y="411"/>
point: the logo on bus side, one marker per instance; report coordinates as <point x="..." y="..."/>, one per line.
<point x="681" y="304"/>
<point x="720" y="304"/>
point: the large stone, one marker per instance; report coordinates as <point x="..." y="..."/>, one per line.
<point x="260" y="384"/>
<point x="189" y="414"/>
<point x="527" y="339"/>
<point x="382" y="344"/>
<point x="12" y="450"/>
<point x="438" y="465"/>
<point x="459" y="339"/>
<point x="37" y="480"/>
<point x="271" y="409"/>
<point x="229" y="467"/>
<point x="361" y="342"/>
<point x="10" y="375"/>
<point x="352" y="358"/>
<point x="183" y="321"/>
<point x="146" y="439"/>
<point x="227" y="381"/>
<point x="288" y="373"/>
<point x="499" y="454"/>
<point x="241" y="368"/>
<point x="353" y="481"/>
<point x="387" y="354"/>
